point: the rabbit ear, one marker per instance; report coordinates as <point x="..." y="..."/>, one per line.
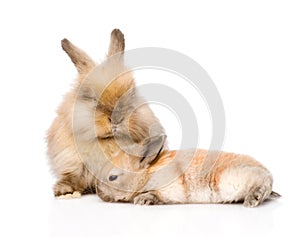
<point x="151" y="148"/>
<point x="83" y="63"/>
<point x="117" y="43"/>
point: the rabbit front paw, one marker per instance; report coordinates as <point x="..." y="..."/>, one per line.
<point x="65" y="190"/>
<point x="146" y="199"/>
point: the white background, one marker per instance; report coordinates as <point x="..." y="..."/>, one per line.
<point x="251" y="49"/>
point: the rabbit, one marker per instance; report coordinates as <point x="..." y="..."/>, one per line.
<point x="184" y="176"/>
<point x="101" y="115"/>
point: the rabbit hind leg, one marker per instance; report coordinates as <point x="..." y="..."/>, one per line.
<point x="257" y="195"/>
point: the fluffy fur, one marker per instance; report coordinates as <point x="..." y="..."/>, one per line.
<point x="101" y="115"/>
<point x="184" y="177"/>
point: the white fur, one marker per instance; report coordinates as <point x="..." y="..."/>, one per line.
<point x="235" y="182"/>
<point x="174" y="193"/>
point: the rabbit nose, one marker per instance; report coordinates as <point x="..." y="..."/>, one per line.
<point x="114" y="127"/>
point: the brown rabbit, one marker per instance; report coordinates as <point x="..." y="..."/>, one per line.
<point x="101" y="115"/>
<point x="184" y="177"/>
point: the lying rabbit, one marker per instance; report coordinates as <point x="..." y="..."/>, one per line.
<point x="190" y="176"/>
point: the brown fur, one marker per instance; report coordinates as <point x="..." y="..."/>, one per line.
<point x="84" y="64"/>
<point x="231" y="178"/>
<point x="83" y="135"/>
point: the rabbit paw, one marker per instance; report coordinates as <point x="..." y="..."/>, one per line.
<point x="75" y="194"/>
<point x="63" y="190"/>
<point x="256" y="197"/>
<point x="146" y="199"/>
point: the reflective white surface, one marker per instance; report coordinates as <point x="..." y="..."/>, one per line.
<point x="89" y="216"/>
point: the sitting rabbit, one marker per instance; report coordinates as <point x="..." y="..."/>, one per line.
<point x="100" y="115"/>
<point x="187" y="176"/>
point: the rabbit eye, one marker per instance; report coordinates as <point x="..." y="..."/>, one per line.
<point x="112" y="177"/>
